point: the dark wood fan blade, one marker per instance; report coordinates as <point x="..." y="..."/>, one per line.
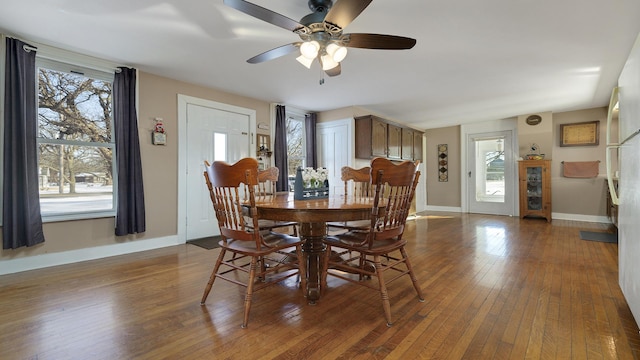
<point x="379" y="41"/>
<point x="343" y="12"/>
<point x="275" y="53"/>
<point x="264" y="14"/>
<point x="335" y="71"/>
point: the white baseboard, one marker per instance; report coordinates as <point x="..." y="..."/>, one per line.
<point x="72" y="256"/>
<point x="580" y="217"/>
<point x="443" y="208"/>
<point x="554" y="216"/>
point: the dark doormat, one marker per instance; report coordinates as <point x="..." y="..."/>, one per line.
<point x="599" y="236"/>
<point x="206" y="243"/>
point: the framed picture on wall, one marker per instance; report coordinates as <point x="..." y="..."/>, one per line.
<point x="580" y="134"/>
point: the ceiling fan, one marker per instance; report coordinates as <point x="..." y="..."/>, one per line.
<point x="321" y="33"/>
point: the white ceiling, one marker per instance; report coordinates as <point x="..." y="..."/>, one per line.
<point x="474" y="60"/>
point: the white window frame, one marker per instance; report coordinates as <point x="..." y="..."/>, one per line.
<point x="74" y="67"/>
<point x="298" y="115"/>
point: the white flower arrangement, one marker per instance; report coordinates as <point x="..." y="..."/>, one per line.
<point x="314" y="178"/>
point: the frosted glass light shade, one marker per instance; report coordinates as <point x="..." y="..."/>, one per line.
<point x="309" y="49"/>
<point x="328" y="63"/>
<point x="305" y="61"/>
<point x="337" y="52"/>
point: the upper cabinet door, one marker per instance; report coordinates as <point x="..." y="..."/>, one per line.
<point x="378" y="138"/>
<point x="394" y="142"/>
<point x="417" y="145"/>
<point x="407" y="144"/>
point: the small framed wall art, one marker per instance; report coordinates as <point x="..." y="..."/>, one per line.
<point x="443" y="162"/>
<point x="580" y="134"/>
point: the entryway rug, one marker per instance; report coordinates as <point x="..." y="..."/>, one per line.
<point x="206" y="243"/>
<point x="599" y="236"/>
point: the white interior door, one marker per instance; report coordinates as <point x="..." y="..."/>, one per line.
<point x="490" y="169"/>
<point x="334" y="150"/>
<point x="213" y="134"/>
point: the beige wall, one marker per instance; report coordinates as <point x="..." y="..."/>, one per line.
<point x="446" y="194"/>
<point x="573" y="195"/>
<point x="342" y="113"/>
<point x="541" y="134"/>
<point x="157" y="98"/>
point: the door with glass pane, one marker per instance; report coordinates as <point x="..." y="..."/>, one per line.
<point x="490" y="173"/>
<point x="213" y="134"/>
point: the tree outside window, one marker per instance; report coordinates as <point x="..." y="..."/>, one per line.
<point x="75" y="138"/>
<point x="296" y="150"/>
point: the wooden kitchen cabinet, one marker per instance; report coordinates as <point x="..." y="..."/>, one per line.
<point x="417" y="145"/>
<point x="394" y="142"/>
<point x="376" y="137"/>
<point x="407" y="144"/>
<point x="371" y="137"/>
<point x="535" y="188"/>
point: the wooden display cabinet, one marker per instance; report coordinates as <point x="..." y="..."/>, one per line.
<point x="535" y="188"/>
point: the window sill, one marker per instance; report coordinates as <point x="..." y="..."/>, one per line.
<point x="79" y="216"/>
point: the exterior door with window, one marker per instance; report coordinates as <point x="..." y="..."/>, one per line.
<point x="214" y="135"/>
<point x="490" y="173"/>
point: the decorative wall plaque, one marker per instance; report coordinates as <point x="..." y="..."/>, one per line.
<point x="443" y="162"/>
<point x="580" y="134"/>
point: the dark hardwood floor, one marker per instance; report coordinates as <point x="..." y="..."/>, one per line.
<point x="496" y="288"/>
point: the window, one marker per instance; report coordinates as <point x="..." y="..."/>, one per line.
<point x="220" y="147"/>
<point x="76" y="158"/>
<point x="296" y="149"/>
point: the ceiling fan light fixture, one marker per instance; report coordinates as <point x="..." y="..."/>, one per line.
<point x="321" y="33"/>
<point x="305" y="61"/>
<point x="327" y="62"/>
<point x="309" y="49"/>
<point x="337" y="52"/>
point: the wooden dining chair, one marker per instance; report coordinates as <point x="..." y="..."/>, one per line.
<point x="382" y="244"/>
<point x="232" y="192"/>
<point x="357" y="183"/>
<point x="267" y="180"/>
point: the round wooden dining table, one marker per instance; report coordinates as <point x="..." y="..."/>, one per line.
<point x="312" y="216"/>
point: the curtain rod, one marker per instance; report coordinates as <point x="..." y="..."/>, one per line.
<point x="28" y="48"/>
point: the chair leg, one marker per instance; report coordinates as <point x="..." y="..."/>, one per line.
<point x="386" y="305"/>
<point x="248" y="296"/>
<point x="411" y="275"/>
<point x="212" y="278"/>
<point x="263" y="269"/>
<point x="361" y="264"/>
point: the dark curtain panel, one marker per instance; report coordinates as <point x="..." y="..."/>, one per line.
<point x="280" y="149"/>
<point x="21" y="219"/>
<point x="310" y="131"/>
<point x="130" y="213"/>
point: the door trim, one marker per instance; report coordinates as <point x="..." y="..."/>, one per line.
<point x="483" y="207"/>
<point x="483" y="127"/>
<point x="183" y="101"/>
